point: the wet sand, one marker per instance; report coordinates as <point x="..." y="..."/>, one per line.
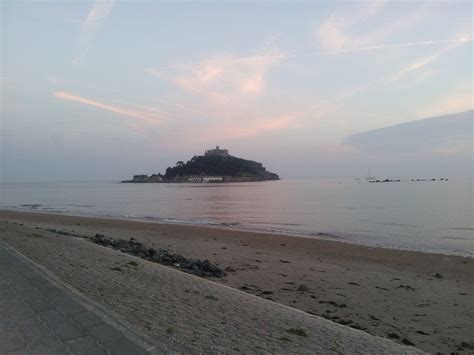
<point x="408" y="297"/>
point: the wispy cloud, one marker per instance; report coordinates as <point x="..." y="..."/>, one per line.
<point x="400" y="45"/>
<point x="424" y="61"/>
<point x="228" y="90"/>
<point x="226" y="81"/>
<point x="417" y="70"/>
<point x="223" y="78"/>
<point x="99" y="12"/>
<point x="278" y="56"/>
<point x="333" y="32"/>
<point x="146" y="115"/>
<point x="340" y="32"/>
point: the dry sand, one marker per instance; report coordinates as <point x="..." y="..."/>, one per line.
<point x="419" y="298"/>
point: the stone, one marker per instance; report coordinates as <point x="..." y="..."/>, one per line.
<point x="51" y="317"/>
<point x="85" y="346"/>
<point x="86" y="319"/>
<point x="124" y="346"/>
<point x="67" y="331"/>
<point x="302" y="288"/>
<point x="32" y="328"/>
<point x="195" y="266"/>
<point x="48" y="344"/>
<point x="69" y="307"/>
<point x="41" y="305"/>
<point x="105" y="333"/>
<point x="11" y="342"/>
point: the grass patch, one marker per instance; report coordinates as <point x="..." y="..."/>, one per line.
<point x="36" y="235"/>
<point x="297" y="331"/>
<point x="171" y="330"/>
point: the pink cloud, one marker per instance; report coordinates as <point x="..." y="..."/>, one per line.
<point x="144" y="115"/>
<point x="223" y="79"/>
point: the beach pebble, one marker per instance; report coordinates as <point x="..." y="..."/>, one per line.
<point x="302" y="288"/>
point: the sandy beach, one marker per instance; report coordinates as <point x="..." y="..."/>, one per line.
<point x="418" y="300"/>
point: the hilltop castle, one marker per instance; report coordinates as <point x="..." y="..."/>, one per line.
<point x="216" y="152"/>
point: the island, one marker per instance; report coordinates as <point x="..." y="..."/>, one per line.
<point x="216" y="165"/>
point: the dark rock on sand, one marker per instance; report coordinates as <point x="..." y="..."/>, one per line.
<point x="408" y="342"/>
<point x="194" y="266"/>
<point x="393" y="335"/>
<point x="469" y="346"/>
<point x="302" y="288"/>
<point x="335" y="304"/>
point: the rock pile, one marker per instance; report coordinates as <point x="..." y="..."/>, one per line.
<point x="162" y="256"/>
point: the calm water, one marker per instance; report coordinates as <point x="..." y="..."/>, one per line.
<point x="429" y="216"/>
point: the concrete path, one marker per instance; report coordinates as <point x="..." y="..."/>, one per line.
<point x="40" y="317"/>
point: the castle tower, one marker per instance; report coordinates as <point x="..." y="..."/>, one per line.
<point x="217" y="152"/>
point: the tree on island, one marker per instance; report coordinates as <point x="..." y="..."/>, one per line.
<point x="214" y="165"/>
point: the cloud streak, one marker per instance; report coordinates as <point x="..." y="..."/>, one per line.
<point x="400" y="45"/>
<point x="460" y="101"/>
<point x="339" y="33"/>
<point x="332" y="33"/>
<point x="426" y="60"/>
<point x="143" y="115"/>
<point x="277" y="57"/>
<point x="99" y="12"/>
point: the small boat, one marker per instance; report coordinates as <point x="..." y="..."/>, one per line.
<point x="369" y="177"/>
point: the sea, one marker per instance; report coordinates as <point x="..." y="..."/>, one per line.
<point x="430" y="216"/>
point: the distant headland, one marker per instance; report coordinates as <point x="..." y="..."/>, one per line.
<point x="216" y="165"/>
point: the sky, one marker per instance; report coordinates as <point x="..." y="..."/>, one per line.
<point x="97" y="90"/>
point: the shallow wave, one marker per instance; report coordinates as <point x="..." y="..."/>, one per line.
<point x="363" y="238"/>
<point x="401" y="225"/>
